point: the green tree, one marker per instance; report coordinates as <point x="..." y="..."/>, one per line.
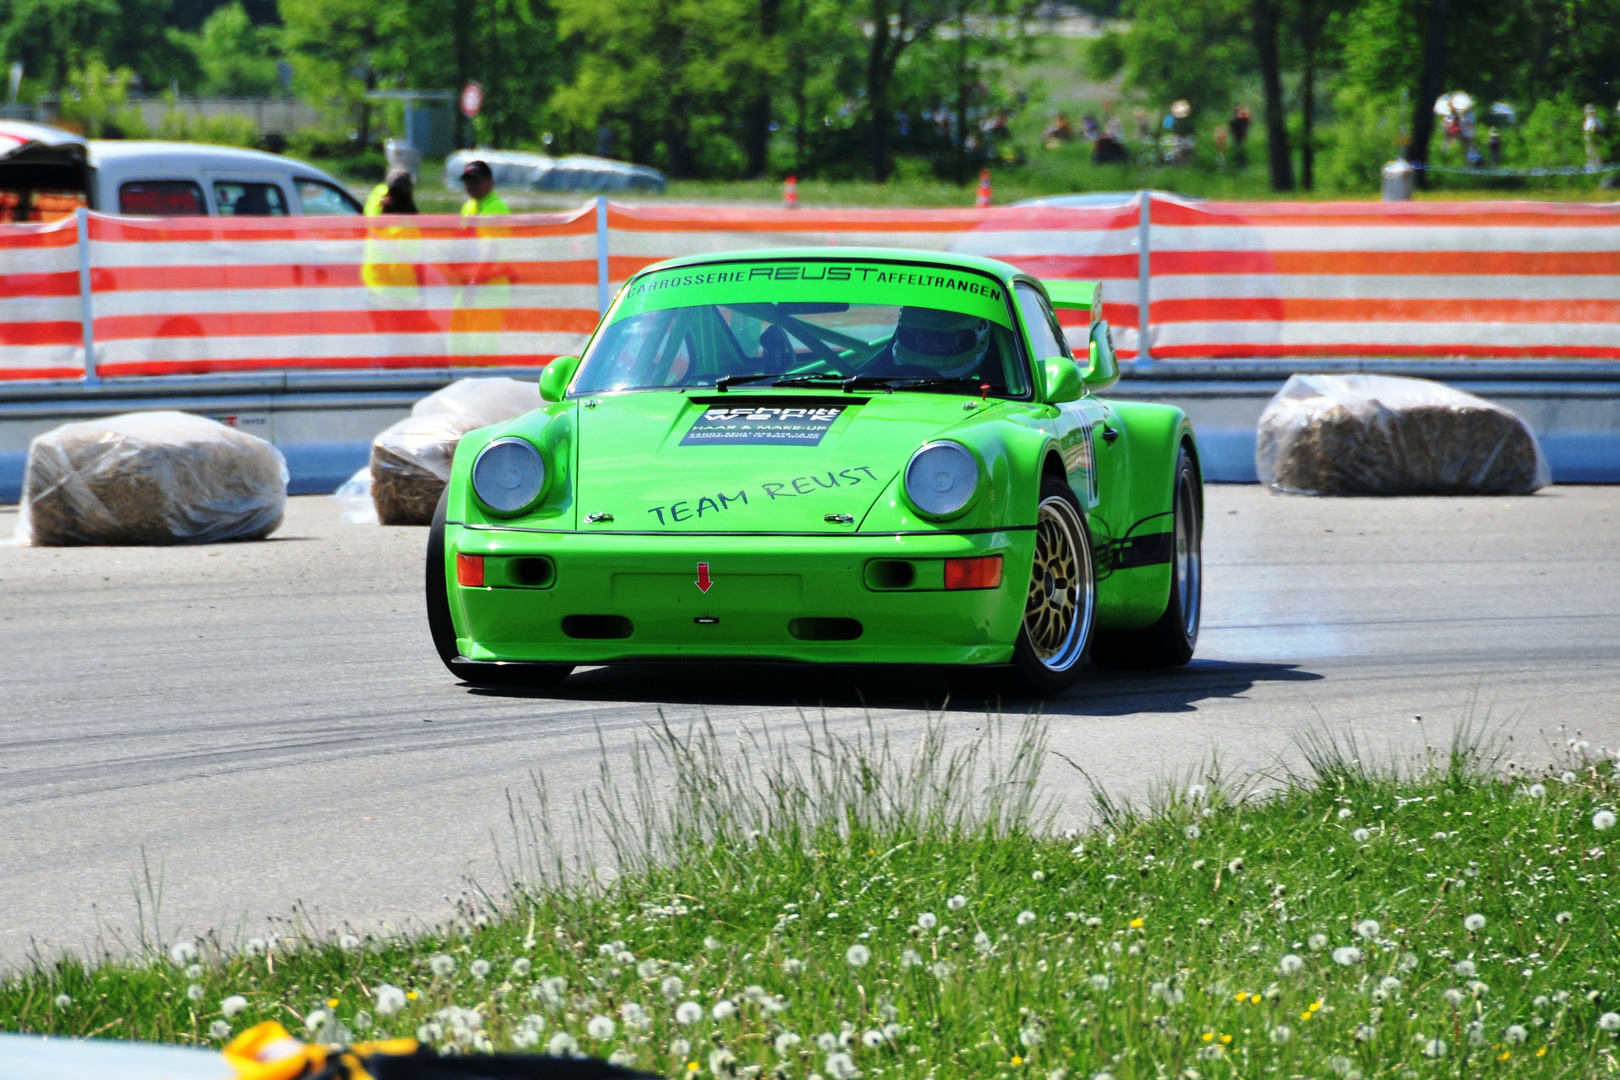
<point x="52" y="38"/>
<point x="233" y="55"/>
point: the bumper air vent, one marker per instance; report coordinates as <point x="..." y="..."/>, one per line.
<point x="825" y="629"/>
<point x="597" y="627"/>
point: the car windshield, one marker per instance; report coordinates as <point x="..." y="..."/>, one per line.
<point x="946" y="346"/>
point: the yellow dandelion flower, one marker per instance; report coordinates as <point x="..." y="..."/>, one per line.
<point x="1243" y="995"/>
<point x="411" y="994"/>
<point x="1306" y="1015"/>
<point x="331" y="1003"/>
<point x="1208" y="1035"/>
<point x="691" y="1066"/>
<point x="1137" y="924"/>
<point x="1226" y="1038"/>
<point x="1017" y="1060"/>
<point x="1542" y="1052"/>
<point x="1503" y="1056"/>
<point x="1315" y="1005"/>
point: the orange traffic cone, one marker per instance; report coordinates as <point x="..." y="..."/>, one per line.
<point x="984" y="189"/>
<point x="790" y="193"/>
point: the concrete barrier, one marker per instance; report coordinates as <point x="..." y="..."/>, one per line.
<point x="323" y="422"/>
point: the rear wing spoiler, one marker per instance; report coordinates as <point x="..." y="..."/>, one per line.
<point x="1076" y="296"/>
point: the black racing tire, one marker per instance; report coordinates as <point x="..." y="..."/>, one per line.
<point x="1170" y="641"/>
<point x="478" y="673"/>
<point x="1060" y="607"/>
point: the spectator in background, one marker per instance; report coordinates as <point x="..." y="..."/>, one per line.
<point x="1089" y="128"/>
<point x="1494" y="145"/>
<point x="479" y="182"/>
<point x="1059" y="131"/>
<point x="1115" y="129"/>
<point x="395" y="195"/>
<point x="1239" y="127"/>
<point x="1591" y="128"/>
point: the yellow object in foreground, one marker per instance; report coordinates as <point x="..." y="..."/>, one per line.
<point x="268" y="1051"/>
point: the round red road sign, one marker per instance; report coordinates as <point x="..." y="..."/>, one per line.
<point x="472" y="99"/>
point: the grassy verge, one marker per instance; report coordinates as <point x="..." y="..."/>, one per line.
<point x="840" y="910"/>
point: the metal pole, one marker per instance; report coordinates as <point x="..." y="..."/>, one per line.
<point x="86" y="307"/>
<point x="604" y="292"/>
<point x="1144" y="282"/>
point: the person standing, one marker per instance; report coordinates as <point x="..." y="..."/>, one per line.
<point x="392" y="271"/>
<point x="395" y="195"/>
<point x="479" y="317"/>
<point x="1591" y="128"/>
<point x="479" y="182"/>
<point x="1239" y="127"/>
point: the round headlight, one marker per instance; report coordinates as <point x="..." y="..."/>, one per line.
<point x="941" y="479"/>
<point x="508" y="475"/>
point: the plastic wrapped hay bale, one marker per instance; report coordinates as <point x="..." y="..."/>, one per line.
<point x="152" y="478"/>
<point x="1383" y="435"/>
<point x="410" y="460"/>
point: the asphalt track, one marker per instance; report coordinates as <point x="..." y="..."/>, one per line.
<point x="260" y="725"/>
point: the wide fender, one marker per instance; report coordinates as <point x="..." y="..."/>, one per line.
<point x="1010" y="456"/>
<point x="551" y="429"/>
<point x="1135" y="568"/>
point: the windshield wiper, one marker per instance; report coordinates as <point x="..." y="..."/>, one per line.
<point x="725" y="382"/>
<point x="919" y="382"/>
<point x="813" y="377"/>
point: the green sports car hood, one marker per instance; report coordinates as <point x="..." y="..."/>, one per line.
<point x="749" y="461"/>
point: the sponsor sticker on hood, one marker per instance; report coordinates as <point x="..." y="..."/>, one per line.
<point x="766" y="425"/>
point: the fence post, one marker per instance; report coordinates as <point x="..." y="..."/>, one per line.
<point x="604" y="294"/>
<point x="86" y="306"/>
<point x="1144" y="282"/>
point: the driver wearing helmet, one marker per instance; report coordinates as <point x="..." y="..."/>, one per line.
<point x="929" y="342"/>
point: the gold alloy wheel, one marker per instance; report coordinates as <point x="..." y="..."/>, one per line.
<point x="1062" y="600"/>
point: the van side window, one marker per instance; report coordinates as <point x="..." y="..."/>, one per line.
<point x="249" y="199"/>
<point x="321" y="198"/>
<point x="161" y="198"/>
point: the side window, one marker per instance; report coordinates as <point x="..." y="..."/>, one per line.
<point x="161" y="198"/>
<point x="249" y="199"/>
<point x="1045" y="336"/>
<point x="319" y="198"/>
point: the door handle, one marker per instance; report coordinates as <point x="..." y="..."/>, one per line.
<point x="1110" y="434"/>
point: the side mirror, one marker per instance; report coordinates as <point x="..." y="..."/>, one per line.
<point x="1103" y="371"/>
<point x="1062" y="377"/>
<point x="555" y="379"/>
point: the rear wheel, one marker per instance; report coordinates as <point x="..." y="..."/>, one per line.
<point x="479" y="673"/>
<point x="1060" y="608"/>
<point x="1170" y="641"/>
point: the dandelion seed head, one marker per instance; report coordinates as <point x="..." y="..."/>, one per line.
<point x="1281" y="1033"/>
<point x="625" y="956"/>
<point x="479" y="969"/>
<point x="688" y="1012"/>
<point x="723" y="1009"/>
<point x="1454" y="997"/>
<point x="1603" y="819"/>
<point x="1346" y="955"/>
<point x="927" y="920"/>
<point x="1361" y="836"/>
<point x="1198" y="864"/>
<point x="1031" y="1037"/>
<point x="1235" y="865"/>
<point x="1368" y="929"/>
<point x="195" y="992"/>
<point x="1567" y="777"/>
<point x="858" y="956"/>
<point x="785" y="1042"/>
<point x="942" y="969"/>
<point x="827" y="1041"/>
<point x="1465" y="968"/>
<point x="1563" y="917"/>
<point x="982" y="942"/>
<point x="1101" y="982"/>
<point x="1474" y="923"/>
<point x="562" y="1044"/>
<point x="1409" y="962"/>
<point x="63" y="1001"/>
<point x="600" y="1028"/>
<point x="1515" y="1033"/>
<point x="1191" y="832"/>
<point x="442" y="964"/>
<point x="791" y="966"/>
<point x="873" y="1038"/>
<point x="1290" y="964"/>
<point x="1536" y="791"/>
<point x="183" y="953"/>
<point x="1196" y="792"/>
<point x="1025" y="918"/>
<point x="1609" y="1021"/>
<point x="1435" y="1048"/>
<point x="522" y="966"/>
<point x="911" y="958"/>
<point x="1038" y="875"/>
<point x="348" y="943"/>
<point x="711" y="943"/>
<point x="957" y="902"/>
<point x="194" y="972"/>
<point x="841" y="1066"/>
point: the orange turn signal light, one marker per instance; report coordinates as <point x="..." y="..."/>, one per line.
<point x="981" y="573"/>
<point x="470" y="569"/>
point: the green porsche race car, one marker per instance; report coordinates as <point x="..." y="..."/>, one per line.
<point x="827" y="456"/>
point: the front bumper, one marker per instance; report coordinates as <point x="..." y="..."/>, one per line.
<point x="771" y="598"/>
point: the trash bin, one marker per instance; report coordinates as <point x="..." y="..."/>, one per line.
<point x="1399" y="179"/>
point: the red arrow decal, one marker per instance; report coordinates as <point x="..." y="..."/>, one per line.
<point x="703" y="581"/>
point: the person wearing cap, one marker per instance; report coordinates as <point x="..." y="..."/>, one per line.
<point x="482" y="201"/>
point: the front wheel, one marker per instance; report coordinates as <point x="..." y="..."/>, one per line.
<point x="444" y="630"/>
<point x="1060" y="608"/>
<point x="1170" y="641"/>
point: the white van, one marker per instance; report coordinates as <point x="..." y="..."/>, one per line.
<point x="47" y="173"/>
